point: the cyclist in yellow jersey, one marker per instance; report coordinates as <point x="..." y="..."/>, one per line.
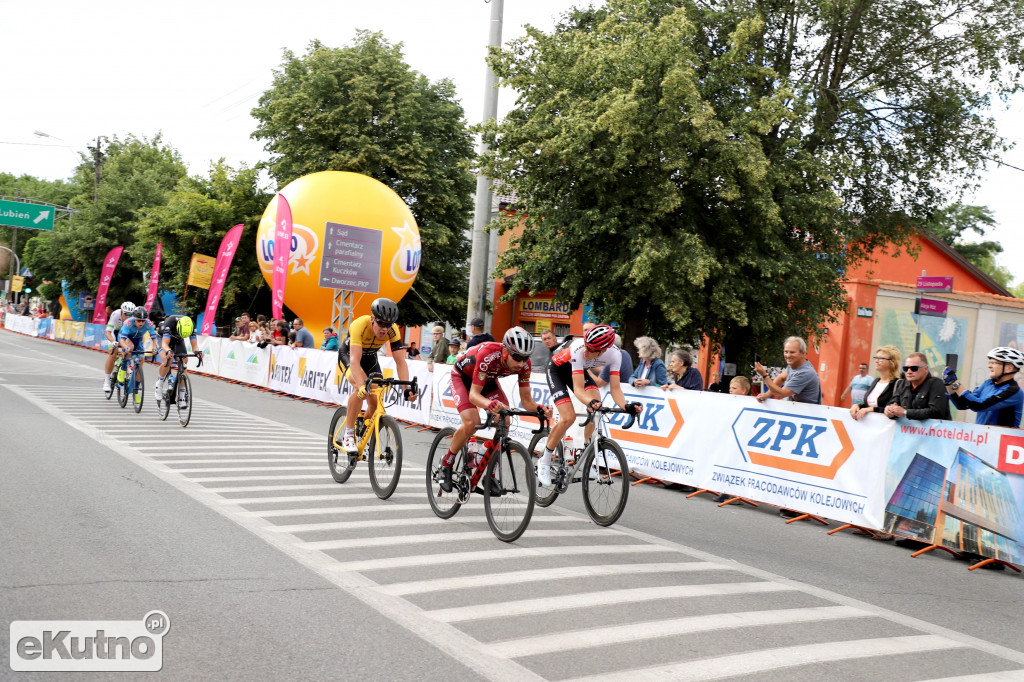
<point x="357" y="358"/>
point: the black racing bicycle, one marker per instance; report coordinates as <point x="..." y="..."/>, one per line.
<point x="177" y="389"/>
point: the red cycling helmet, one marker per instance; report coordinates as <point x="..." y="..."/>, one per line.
<point x="600" y="337"/>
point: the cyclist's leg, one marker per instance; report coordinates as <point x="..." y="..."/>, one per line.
<point x="590" y="388"/>
<point x="370" y="366"/>
<point x="469" y="415"/>
<point x="558" y="382"/>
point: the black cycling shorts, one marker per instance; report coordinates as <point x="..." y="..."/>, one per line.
<point x="560" y="382"/>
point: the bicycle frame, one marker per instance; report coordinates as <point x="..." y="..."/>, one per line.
<point x="376" y="386"/>
<point x="600" y="433"/>
<point x="500" y="442"/>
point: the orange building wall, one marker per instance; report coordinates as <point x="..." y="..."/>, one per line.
<point x="905" y="269"/>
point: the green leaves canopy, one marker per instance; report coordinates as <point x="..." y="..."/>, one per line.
<point x="713" y="168"/>
<point x="362" y="109"/>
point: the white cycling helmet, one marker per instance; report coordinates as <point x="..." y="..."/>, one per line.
<point x="519" y="341"/>
<point x="127" y="308"/>
<point x="1009" y="356"/>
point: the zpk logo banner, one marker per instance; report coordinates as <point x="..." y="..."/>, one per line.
<point x="812" y="446"/>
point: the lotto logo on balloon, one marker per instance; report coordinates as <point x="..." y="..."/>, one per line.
<point x="349" y="200"/>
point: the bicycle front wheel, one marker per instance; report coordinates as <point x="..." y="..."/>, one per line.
<point x="337" y="459"/>
<point x="163" y="406"/>
<point x="605" y="482"/>
<point x="510" y="492"/>
<point x="183" y="399"/>
<point x="545" y="494"/>
<point x="138" y="389"/>
<point x="385" y="460"/>
<point x="122" y="393"/>
<point x="445" y="504"/>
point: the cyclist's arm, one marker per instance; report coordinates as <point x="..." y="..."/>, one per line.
<point x="476" y="397"/>
<point x="615" y="388"/>
<point x="356" y="375"/>
<point x="526" y="398"/>
<point x="400" y="364"/>
<point x="578" y="389"/>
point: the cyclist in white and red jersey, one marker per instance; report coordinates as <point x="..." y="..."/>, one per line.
<point x="475" y="387"/>
<point x="567" y="371"/>
<point x="113" y="331"/>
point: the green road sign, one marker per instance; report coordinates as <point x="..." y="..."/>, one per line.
<point x="32" y="216"/>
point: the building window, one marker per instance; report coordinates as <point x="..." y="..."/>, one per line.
<point x="561" y="330"/>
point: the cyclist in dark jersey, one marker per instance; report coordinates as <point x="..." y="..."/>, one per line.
<point x="475" y="387"/>
<point x="173" y="330"/>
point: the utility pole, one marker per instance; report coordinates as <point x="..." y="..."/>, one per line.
<point x="97" y="155"/>
<point x="478" y="273"/>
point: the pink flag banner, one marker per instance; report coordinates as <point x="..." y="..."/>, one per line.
<point x="99" y="315"/>
<point x="282" y="254"/>
<point x="228" y="246"/>
<point x="154" y="279"/>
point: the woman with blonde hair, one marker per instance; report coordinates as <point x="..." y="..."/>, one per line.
<point x="651" y="370"/>
<point x="887" y="363"/>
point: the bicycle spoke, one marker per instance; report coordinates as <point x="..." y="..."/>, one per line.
<point x="511" y="472"/>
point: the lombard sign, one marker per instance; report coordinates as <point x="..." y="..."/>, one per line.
<point x="801" y="444"/>
<point x="658" y="424"/>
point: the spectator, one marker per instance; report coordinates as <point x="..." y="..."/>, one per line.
<point x="279" y="337"/>
<point x="438" y="348"/>
<point x="241" y="332"/>
<point x="303" y="339"/>
<point x="255" y="334"/>
<point x="476" y="325"/>
<point x="920" y="395"/>
<point x="715" y="385"/>
<point x="413" y="350"/>
<point x="684" y="374"/>
<point x="859" y="385"/>
<point x="879" y="393"/>
<point x="453" y="352"/>
<point x="651" y="370"/>
<point x="798" y="382"/>
<point x="740" y="385"/>
<point x="999" y="400"/>
<point x="542" y="351"/>
<point x="291" y="338"/>
<point x="330" y="339"/>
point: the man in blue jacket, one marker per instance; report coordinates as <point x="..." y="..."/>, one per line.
<point x="999" y="400"/>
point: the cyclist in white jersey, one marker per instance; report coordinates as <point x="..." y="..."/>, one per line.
<point x="567" y="371"/>
<point x="114" y="324"/>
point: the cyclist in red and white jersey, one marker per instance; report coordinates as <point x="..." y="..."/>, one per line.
<point x="114" y="323"/>
<point x="475" y="387"/>
<point x="568" y="370"/>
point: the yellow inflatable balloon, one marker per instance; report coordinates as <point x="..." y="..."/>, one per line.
<point x="349" y="232"/>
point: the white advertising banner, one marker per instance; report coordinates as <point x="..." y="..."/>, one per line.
<point x="417" y="412"/>
<point x="244" y="361"/>
<point x="212" y="348"/>
<point x="22" y="324"/>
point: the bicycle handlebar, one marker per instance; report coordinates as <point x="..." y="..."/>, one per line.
<point x="381" y="381"/>
<point x="513" y="412"/>
<point x="613" y="410"/>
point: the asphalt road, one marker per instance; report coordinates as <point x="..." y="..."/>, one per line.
<point x="267" y="568"/>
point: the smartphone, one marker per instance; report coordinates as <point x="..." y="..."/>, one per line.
<point x="757" y="358"/>
<point x="951" y="359"/>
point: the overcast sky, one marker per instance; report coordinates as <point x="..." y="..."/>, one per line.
<point x="193" y="71"/>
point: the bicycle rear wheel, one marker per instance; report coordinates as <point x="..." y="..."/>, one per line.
<point x="446" y="504"/>
<point x="337" y="459"/>
<point x="163" y="405"/>
<point x="508" y="513"/>
<point x="138" y="388"/>
<point x="605" y="482"/>
<point x="385" y="465"/>
<point x="545" y="494"/>
<point x="184" y="413"/>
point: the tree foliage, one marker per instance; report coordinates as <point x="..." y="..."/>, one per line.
<point x="950" y="224"/>
<point x="135" y="174"/>
<point x="363" y="109"/>
<point x="195" y="218"/>
<point x="14" y="188"/>
<point x="714" y="167"/>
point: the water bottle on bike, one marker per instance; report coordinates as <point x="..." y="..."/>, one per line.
<point x="474" y="453"/>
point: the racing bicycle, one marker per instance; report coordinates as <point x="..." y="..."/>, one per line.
<point x="133" y="384"/>
<point x="378" y="438"/>
<point x="601" y="466"/>
<point x="505" y="481"/>
<point x="177" y="389"/>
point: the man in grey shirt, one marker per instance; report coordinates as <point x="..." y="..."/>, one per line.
<point x="799" y="382"/>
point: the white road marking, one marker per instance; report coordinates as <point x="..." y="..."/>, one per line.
<point x="432" y="538"/>
<point x="511" y="553"/>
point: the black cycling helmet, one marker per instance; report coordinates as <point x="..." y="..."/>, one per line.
<point x="384" y="310"/>
<point x="139" y="313"/>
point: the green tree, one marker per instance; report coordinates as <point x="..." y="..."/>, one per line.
<point x="949" y="225"/>
<point x="197" y="215"/>
<point x="714" y="167"/>
<point x="136" y="174"/>
<point x="13" y="187"/>
<point x="363" y="109"/>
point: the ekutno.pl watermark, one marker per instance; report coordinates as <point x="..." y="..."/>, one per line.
<point x="85" y="645"/>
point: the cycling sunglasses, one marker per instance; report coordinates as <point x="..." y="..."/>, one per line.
<point x="912" y="368"/>
<point x="519" y="358"/>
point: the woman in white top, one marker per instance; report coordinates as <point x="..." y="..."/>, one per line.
<point x="888" y="360"/>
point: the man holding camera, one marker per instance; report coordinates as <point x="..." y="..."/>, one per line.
<point x="998" y="401"/>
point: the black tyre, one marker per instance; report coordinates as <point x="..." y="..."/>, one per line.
<point x="110" y="392"/>
<point x="605" y="482"/>
<point x="509" y="511"/>
<point x="163" y="406"/>
<point x="337" y="459"/>
<point x="138" y="389"/>
<point x="184" y="410"/>
<point x="545" y="494"/>
<point x="445" y="505"/>
<point x="385" y="462"/>
<point x="122" y="393"/>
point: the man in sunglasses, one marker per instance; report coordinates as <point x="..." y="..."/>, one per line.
<point x="475" y="387"/>
<point x="999" y="400"/>
<point x="357" y="360"/>
<point x="920" y="395"/>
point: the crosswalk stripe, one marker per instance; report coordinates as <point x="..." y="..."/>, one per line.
<point x="767" y="661"/>
<point x="407" y="521"/>
<point x="422" y="538"/>
<point x="544" y="575"/>
<point x="1005" y="676"/>
<point x="282" y="477"/>
<point x="600" y="598"/>
<point x="340" y="495"/>
<point x="636" y="632"/>
<point x="319" y="511"/>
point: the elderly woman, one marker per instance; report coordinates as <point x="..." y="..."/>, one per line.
<point x="684" y="374"/>
<point x="651" y="370"/>
<point x="888" y="360"/>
